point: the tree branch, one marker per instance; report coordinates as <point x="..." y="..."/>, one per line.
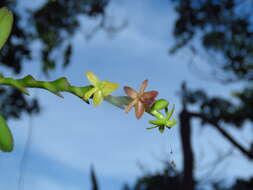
<point x="225" y="134"/>
<point x="188" y="158"/>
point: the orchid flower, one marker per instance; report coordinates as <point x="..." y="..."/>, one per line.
<point x="100" y="90"/>
<point x="162" y="121"/>
<point x="140" y="100"/>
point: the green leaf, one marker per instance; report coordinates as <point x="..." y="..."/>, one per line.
<point x="6" y="21"/>
<point x="6" y="139"/>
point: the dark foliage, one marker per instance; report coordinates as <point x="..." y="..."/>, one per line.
<point x="167" y="179"/>
<point x="57" y="21"/>
<point x="219" y="109"/>
<point x="224" y="30"/>
<point x="224" y="27"/>
<point x="240" y="184"/>
<point x="93" y="179"/>
<point x="13" y="103"/>
<point x="52" y="25"/>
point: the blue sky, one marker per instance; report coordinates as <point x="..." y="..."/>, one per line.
<point x="70" y="136"/>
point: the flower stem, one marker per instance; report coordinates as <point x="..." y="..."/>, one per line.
<point x="55" y="87"/>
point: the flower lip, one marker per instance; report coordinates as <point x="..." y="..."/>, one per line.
<point x="149" y="97"/>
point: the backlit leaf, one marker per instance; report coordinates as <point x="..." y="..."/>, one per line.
<point x="6" y="139"/>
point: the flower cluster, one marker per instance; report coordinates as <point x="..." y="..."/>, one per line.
<point x="141" y="101"/>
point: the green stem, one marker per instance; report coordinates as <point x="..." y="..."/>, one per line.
<point x="56" y="86"/>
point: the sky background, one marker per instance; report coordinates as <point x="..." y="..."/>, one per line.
<point x="69" y="136"/>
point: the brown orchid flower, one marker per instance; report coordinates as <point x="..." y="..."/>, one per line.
<point x="141" y="100"/>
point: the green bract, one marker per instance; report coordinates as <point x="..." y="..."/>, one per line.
<point x="6" y="20"/>
<point x="100" y="89"/>
<point x="6" y="139"/>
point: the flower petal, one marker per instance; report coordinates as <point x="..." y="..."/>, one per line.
<point x="98" y="98"/>
<point x="92" y="78"/>
<point x="169" y="113"/>
<point x="130" y="92"/>
<point x="148" y="98"/>
<point x="109" y="87"/>
<point x="88" y="94"/>
<point x="143" y="86"/>
<point x="171" y="123"/>
<point x="132" y="104"/>
<point x="158" y="122"/>
<point x="139" y="109"/>
<point x="149" y="95"/>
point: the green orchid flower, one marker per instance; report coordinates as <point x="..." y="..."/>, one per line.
<point x="162" y="121"/>
<point x="100" y="90"/>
